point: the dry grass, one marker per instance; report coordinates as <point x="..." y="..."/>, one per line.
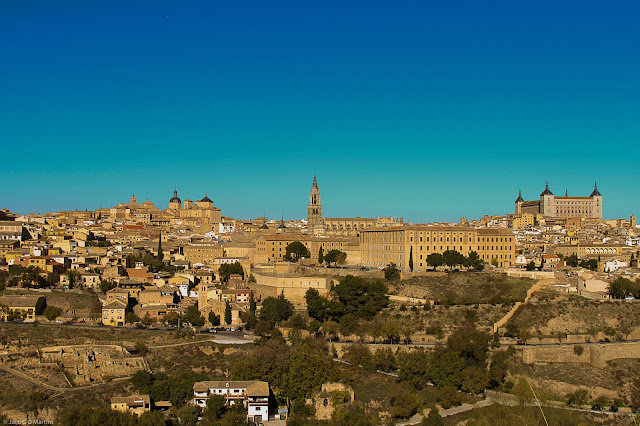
<point x="464" y="288"/>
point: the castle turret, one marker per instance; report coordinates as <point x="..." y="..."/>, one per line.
<point x="597" y="198"/>
<point x="547" y="201"/>
<point x="519" y="202"/>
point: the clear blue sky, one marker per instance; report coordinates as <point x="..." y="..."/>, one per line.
<point x="422" y="109"/>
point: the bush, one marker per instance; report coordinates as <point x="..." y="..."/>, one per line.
<point x="578" y="398"/>
<point x="449" y="397"/>
<point x="52" y="312"/>
<point x="578" y="350"/>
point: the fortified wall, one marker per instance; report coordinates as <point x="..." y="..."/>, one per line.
<point x="292" y="286"/>
<point x="596" y="354"/>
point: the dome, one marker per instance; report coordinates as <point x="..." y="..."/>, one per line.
<point x="175" y="198"/>
<point x="206" y="199"/>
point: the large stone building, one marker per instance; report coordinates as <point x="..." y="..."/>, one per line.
<point x="347" y="226"/>
<point x="564" y="207"/>
<point x="203" y="210"/>
<point x="381" y="246"/>
<point x="273" y="247"/>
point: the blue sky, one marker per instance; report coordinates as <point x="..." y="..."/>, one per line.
<point x="426" y="110"/>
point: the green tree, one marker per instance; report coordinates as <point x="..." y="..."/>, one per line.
<point x="336" y="257"/>
<point x="531" y="266"/>
<point x="216" y="407"/>
<point x="453" y="258"/>
<point x="474" y="262"/>
<point x="433" y="418"/>
<point x="571" y="260"/>
<point x="252" y="303"/>
<point x="317" y="306"/>
<point x="359" y="355"/>
<point x="276" y="309"/>
<point x="160" y="253"/>
<point x="320" y="256"/>
<point x="107" y="285"/>
<point x="435" y="260"/>
<point x="307" y="370"/>
<point x="494" y="262"/>
<point x="470" y="344"/>
<point x="449" y="397"/>
<point x="391" y="330"/>
<point x="188" y="415"/>
<point x="404" y="403"/>
<point x="361" y="297"/>
<point x="146" y="320"/>
<point x="476" y="380"/>
<point x="411" y="259"/>
<point x="296" y="250"/>
<point x="578" y="398"/>
<point x="227" y="312"/>
<point x="384" y="360"/>
<point x="391" y="272"/>
<point x="623" y="287"/>
<point x="52" y="312"/>
<point x="413" y="368"/>
<point x="193" y="316"/>
<point x="499" y="367"/>
<point x="227" y="269"/>
<point x="447" y="368"/>
<point x="131" y="318"/>
<point x="600" y="402"/>
<point x="214" y="319"/>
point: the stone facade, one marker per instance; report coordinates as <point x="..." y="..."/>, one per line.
<point x="381" y="246"/>
<point x="563" y="207"/>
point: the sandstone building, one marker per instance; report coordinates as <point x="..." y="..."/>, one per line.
<point x="563" y="207"/>
<point x="347" y="226"/>
<point x="203" y="210"/>
<point x="381" y="246"/>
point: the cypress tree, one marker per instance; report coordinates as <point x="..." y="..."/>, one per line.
<point x="160" y="254"/>
<point x="320" y="256"/>
<point x="411" y="259"/>
<point x="227" y="313"/>
<point x="252" y="304"/>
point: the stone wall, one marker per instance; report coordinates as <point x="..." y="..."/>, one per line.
<point x="293" y="287"/>
<point x="596" y="354"/>
<point x="341" y="347"/>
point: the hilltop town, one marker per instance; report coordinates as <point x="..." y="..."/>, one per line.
<point x="180" y="315"/>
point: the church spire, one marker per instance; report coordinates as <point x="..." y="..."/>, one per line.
<point x="519" y="199"/>
<point x="595" y="190"/>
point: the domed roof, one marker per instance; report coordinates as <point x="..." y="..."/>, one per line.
<point x="206" y="199"/>
<point x="175" y="198"/>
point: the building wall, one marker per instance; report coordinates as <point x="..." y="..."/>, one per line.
<point x="203" y="252"/>
<point x="380" y="247"/>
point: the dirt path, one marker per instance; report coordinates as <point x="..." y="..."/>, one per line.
<point x="537" y="286"/>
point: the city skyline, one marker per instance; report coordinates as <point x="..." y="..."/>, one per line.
<point x="331" y="212"/>
<point x="425" y="111"/>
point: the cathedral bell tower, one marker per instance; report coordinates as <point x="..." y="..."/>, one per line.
<point x="314" y="209"/>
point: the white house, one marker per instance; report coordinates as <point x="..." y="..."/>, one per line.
<point x="253" y="394"/>
<point x="614" y="265"/>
